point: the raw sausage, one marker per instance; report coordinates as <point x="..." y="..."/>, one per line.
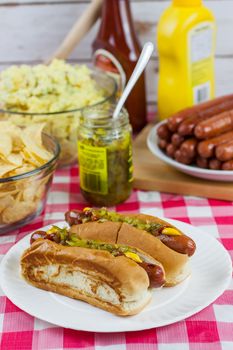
<point x="215" y="126"/>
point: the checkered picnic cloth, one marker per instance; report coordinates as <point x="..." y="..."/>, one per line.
<point x="210" y="329"/>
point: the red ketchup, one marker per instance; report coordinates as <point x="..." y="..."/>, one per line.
<point x="116" y="51"/>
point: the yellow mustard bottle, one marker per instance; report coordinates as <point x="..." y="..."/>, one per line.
<point x="186" y="48"/>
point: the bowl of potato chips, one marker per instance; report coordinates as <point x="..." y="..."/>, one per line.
<point x="54" y="94"/>
<point x="28" y="159"/>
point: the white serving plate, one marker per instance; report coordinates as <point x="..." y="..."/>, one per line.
<point x="208" y="174"/>
<point x="211" y="274"/>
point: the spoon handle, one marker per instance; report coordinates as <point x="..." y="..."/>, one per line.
<point x="141" y="65"/>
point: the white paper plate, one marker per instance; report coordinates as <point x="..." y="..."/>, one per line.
<point x="211" y="274"/>
<point x="216" y="175"/>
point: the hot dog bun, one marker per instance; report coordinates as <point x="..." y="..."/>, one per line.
<point x="115" y="284"/>
<point x="175" y="264"/>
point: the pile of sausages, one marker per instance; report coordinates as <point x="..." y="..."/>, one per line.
<point x="201" y="135"/>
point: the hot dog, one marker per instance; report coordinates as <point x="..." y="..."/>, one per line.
<point x="189" y="148"/>
<point x="215" y="126"/>
<point x="63" y="237"/>
<point x="162" y="144"/>
<point x="170" y="150"/>
<point x="215" y="164"/>
<point x="224" y="152"/>
<point x="202" y="162"/>
<point x="228" y="165"/>
<point x="181" y="158"/>
<point x="206" y="148"/>
<point x="205" y="110"/>
<point x="163" y="132"/>
<point x="156" y="237"/>
<point x="177" y="140"/>
<point x="116" y="279"/>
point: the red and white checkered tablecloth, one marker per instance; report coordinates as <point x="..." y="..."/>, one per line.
<point x="210" y="329"/>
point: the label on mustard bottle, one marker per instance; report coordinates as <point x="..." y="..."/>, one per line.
<point x="93" y="168"/>
<point x="201" y="57"/>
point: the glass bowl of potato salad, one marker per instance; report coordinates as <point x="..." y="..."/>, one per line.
<point x="28" y="159"/>
<point x="55" y="95"/>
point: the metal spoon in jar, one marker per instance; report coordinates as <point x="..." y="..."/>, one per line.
<point x="141" y="65"/>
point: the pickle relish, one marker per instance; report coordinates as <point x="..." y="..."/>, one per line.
<point x="105" y="156"/>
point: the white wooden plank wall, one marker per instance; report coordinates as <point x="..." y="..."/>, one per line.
<point x="30" y="30"/>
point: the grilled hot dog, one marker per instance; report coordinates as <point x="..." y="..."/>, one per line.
<point x="228" y="165"/>
<point x="189" y="148"/>
<point x="215" y="126"/>
<point x="177" y="140"/>
<point x="206" y="110"/>
<point x="206" y="148"/>
<point x="162" y="143"/>
<point x="181" y="158"/>
<point x="202" y="162"/>
<point x="170" y="150"/>
<point x="215" y="164"/>
<point x="156" y="237"/>
<point x="163" y="132"/>
<point x="224" y="152"/>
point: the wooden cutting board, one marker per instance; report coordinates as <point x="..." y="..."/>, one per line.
<point x="150" y="173"/>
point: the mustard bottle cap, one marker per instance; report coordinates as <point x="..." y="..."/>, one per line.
<point x="187" y="3"/>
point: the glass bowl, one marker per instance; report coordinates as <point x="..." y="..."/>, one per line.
<point x="23" y="197"/>
<point x="63" y="124"/>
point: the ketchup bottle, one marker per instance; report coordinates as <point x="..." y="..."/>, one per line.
<point x="116" y="51"/>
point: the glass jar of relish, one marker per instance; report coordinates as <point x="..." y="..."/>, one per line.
<point x="105" y="156"/>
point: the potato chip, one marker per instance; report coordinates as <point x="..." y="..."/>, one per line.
<point x="11" y="193"/>
<point x="17" y="211"/>
<point x="21" y="151"/>
<point x="5" y="144"/>
<point x="24" y="169"/>
<point x="29" y="192"/>
<point x="32" y="139"/>
<point x="15" y="159"/>
<point x="31" y="159"/>
<point x="6" y="202"/>
<point x="5" y="168"/>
